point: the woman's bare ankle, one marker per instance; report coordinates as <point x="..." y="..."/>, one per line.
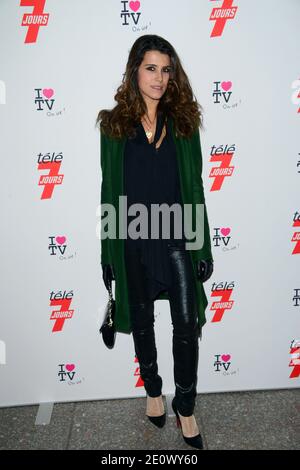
<point x="189" y="425"/>
<point x="155" y="406"/>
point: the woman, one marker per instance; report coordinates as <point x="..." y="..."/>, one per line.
<point x="151" y="153"/>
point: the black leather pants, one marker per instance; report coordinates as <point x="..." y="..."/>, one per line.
<point x="183" y="309"/>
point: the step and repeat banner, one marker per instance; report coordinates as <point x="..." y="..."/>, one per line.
<point x="61" y="61"/>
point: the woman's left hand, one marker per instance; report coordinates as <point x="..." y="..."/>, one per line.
<point x="205" y="269"/>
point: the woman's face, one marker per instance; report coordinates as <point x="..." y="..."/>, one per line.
<point x="153" y="75"/>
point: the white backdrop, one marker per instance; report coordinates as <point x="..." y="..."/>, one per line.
<point x="53" y="81"/>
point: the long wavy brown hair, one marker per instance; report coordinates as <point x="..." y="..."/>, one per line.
<point x="178" y="101"/>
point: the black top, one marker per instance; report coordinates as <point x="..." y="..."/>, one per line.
<point x="151" y="176"/>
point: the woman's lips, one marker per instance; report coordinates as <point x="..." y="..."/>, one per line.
<point x="156" y="87"/>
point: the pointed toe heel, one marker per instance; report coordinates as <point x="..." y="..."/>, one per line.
<point x="159" y="421"/>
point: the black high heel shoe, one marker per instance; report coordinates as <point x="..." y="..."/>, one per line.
<point x="159" y="421"/>
<point x="195" y="441"/>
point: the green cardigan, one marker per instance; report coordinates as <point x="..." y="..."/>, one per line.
<point x="189" y="158"/>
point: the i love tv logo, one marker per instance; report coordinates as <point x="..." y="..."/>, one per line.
<point x="222" y="91"/>
<point x="44" y="97"/>
<point x="57" y="245"/>
<point x="66" y="371"/>
<point x="34" y="20"/>
<point x="222" y="237"/>
<point x="130" y="12"/>
<point x="222" y="362"/>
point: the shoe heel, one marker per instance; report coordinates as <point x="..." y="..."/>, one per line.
<point x="178" y="422"/>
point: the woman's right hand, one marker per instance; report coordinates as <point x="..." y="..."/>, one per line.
<point x="108" y="275"/>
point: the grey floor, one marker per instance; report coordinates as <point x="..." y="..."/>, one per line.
<point x="233" y="421"/>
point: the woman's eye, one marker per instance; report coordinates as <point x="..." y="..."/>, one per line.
<point x="152" y="69"/>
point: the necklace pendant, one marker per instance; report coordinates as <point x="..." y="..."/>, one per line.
<point x="149" y="134"/>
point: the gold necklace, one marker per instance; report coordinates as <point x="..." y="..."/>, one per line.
<point x="149" y="132"/>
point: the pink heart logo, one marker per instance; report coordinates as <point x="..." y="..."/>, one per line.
<point x="134" y="5"/>
<point x="226" y="85"/>
<point x="60" y="240"/>
<point x="225" y="231"/>
<point x="48" y="92"/>
<point x="225" y="357"/>
<point x="70" y="367"/>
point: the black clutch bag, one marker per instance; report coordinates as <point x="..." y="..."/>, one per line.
<point x="107" y="329"/>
